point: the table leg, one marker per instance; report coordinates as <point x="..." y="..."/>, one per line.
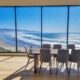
<point x="35" y="63"/>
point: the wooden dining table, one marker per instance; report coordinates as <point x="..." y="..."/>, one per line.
<point x="36" y="53"/>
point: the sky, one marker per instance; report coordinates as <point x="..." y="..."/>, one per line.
<point x="54" y="19"/>
<point x="7" y="17"/>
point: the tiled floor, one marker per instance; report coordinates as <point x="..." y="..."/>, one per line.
<point x="14" y="68"/>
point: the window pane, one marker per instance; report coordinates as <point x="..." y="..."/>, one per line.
<point x="55" y="25"/>
<point x="29" y="27"/>
<point x="7" y="29"/>
<point x="74" y="26"/>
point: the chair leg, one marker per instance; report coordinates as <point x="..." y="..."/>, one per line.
<point x="27" y="63"/>
<point x="70" y="68"/>
<point x="74" y="65"/>
<point x="50" y="66"/>
<point x="40" y="67"/>
<point x="54" y="59"/>
<point x="78" y="67"/>
<point x="57" y="64"/>
<point x="61" y="66"/>
<point x="67" y="68"/>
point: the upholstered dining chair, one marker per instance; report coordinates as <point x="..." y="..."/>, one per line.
<point x="45" y="57"/>
<point x="75" y="58"/>
<point x="56" y="46"/>
<point x="62" y="57"/>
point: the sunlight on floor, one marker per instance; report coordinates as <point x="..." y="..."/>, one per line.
<point x="14" y="68"/>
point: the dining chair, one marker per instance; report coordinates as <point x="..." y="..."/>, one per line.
<point x="46" y="46"/>
<point x="75" y="58"/>
<point x="45" y="57"/>
<point x="62" y="57"/>
<point x="29" y="55"/>
<point x="56" y="46"/>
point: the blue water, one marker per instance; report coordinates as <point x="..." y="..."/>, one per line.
<point x="35" y="36"/>
<point x="7" y="39"/>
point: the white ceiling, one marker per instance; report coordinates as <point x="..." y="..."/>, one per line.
<point x="38" y="2"/>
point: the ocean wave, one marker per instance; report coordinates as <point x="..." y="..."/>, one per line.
<point x="35" y="40"/>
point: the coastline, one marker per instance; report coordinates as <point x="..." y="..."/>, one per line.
<point x="4" y="47"/>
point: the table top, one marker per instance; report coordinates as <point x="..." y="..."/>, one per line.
<point x="36" y="51"/>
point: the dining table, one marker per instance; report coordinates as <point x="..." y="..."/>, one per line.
<point x="36" y="53"/>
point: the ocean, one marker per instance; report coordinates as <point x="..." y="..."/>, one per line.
<point x="33" y="38"/>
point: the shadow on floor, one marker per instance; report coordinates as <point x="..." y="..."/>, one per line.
<point x="44" y="75"/>
<point x="20" y="73"/>
<point x="6" y="58"/>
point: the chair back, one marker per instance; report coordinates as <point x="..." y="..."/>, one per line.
<point x="75" y="55"/>
<point x="63" y="56"/>
<point x="45" y="55"/>
<point x="57" y="46"/>
<point x="28" y="54"/>
<point x="46" y="46"/>
<point x="71" y="46"/>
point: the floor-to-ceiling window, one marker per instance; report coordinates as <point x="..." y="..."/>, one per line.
<point x="74" y="26"/>
<point x="38" y="25"/>
<point x="28" y="27"/>
<point x="54" y="25"/>
<point x="7" y="29"/>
